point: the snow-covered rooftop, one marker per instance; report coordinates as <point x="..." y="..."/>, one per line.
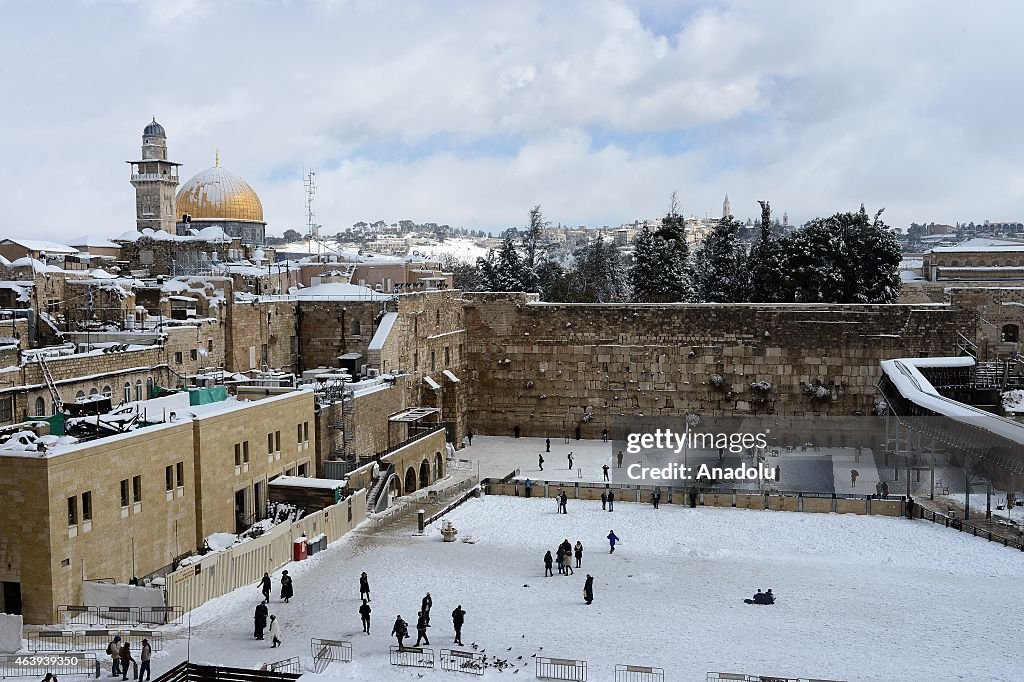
<point x="337" y="291"/>
<point x="982" y="244"/>
<point x="43" y="245"/>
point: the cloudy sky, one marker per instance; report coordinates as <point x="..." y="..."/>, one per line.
<point x="469" y="113"/>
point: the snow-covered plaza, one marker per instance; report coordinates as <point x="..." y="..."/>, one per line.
<point x="858" y="598"/>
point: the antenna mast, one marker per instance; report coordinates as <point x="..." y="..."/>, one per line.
<point x="312" y="229"/>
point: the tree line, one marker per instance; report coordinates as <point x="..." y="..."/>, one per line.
<point x="849" y="257"/>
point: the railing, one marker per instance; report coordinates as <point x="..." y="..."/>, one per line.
<point x="561" y="669"/>
<point x="410" y="440"/>
<point x="458" y="661"/>
<point x="19" y="665"/>
<point x="455" y="464"/>
<point x="192" y="672"/>
<point x="412" y="657"/>
<point x="327" y="650"/>
<point x="638" y="673"/>
<point x="76" y="614"/>
<point x="89" y="640"/>
<point x="967" y="527"/>
<point x="288" y="665"/>
<point x="471" y="490"/>
<point x="740" y="677"/>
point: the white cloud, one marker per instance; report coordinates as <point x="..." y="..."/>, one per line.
<point x="470" y="113"/>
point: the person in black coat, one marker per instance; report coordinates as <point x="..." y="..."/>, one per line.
<point x="400" y="631"/>
<point x="265" y="587"/>
<point x="458" y="618"/>
<point x="611" y="500"/>
<point x="425" y="605"/>
<point x="260" y="620"/>
<point x="579" y="553"/>
<point x="286" y="587"/>
<point x="588" y="589"/>
<point x="364" y="587"/>
<point x="364" y="615"/>
<point x="547" y="564"/>
<point x="422" y="623"/>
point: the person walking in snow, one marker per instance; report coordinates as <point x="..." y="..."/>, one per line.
<point x="275" y="632"/>
<point x="114" y="651"/>
<point x="885" y="490"/>
<point x="400" y="631"/>
<point x="588" y="589"/>
<point x="425" y="605"/>
<point x="547" y="445"/>
<point x="126" y="658"/>
<point x="563" y="499"/>
<point x="469" y="435"/>
<point x="422" y="623"/>
<point x="286" y="586"/>
<point x="604" y="500"/>
<point x="265" y="587"/>
<point x="579" y="553"/>
<point x="458" y="618"/>
<point x="570" y="461"/>
<point x="145" y="654"/>
<point x="364" y="615"/>
<point x="656" y="496"/>
<point x="260" y="620"/>
<point x="620" y="459"/>
<point x="529" y="487"/>
<point x="547" y="564"/>
<point x="605" y="470"/>
<point x="364" y="586"/>
<point x="611" y="500"/>
<point x="540" y="462"/>
<point x="853" y="477"/>
<point x="612" y="539"/>
<point x="560" y="560"/>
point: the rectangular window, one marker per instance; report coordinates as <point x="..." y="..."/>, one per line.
<point x="193" y="354"/>
<point x="169" y="478"/>
<point x="238" y="454"/>
<point x="180" y="466"/>
<point x="277" y="441"/>
<point x="447" y="356"/>
<point x="245" y="452"/>
<point x="415" y="360"/>
<point x="432" y="366"/>
<point x="87" y="506"/>
<point x="124" y="493"/>
<point x="270" y="443"/>
<point x="303" y="470"/>
<point x="290" y="472"/>
<point x="298" y="433"/>
<point x="137" y="488"/>
<point x="72" y="511"/>
<point x="177" y="357"/>
<point x="305" y="432"/>
<point x="264" y="354"/>
<point x="209" y="346"/>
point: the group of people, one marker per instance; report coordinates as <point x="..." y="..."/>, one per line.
<point x="121" y="659"/>
<point x="563" y="557"/>
<point x="400" y="630"/>
<point x="262" y="618"/>
<point x="762" y="598"/>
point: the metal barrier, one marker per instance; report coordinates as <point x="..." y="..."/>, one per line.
<point x="74" y="614"/>
<point x="288" y="665"/>
<point x="967" y="527"/>
<point x="638" y="673"/>
<point x="327" y="650"/>
<point x="17" y="665"/>
<point x="458" y="661"/>
<point x="413" y="657"/>
<point x="561" y="669"/>
<point x="192" y="672"/>
<point x="740" y="677"/>
<point x="89" y="640"/>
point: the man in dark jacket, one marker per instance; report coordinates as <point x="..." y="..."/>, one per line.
<point x="260" y="618"/>
<point x="604" y="500"/>
<point x="458" y="618"/>
<point x="579" y="553"/>
<point x="422" y="623"/>
<point x="400" y="630"/>
<point x="265" y="587"/>
<point x="547" y="564"/>
<point x="126" y="658"/>
<point x="364" y="587"/>
<point x="611" y="500"/>
<point x="540" y="462"/>
<point x="425" y="605"/>
<point x="588" y="589"/>
<point x="364" y="615"/>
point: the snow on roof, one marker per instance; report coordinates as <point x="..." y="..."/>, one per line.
<point x="383" y="330"/>
<point x="100" y="273"/>
<point x="304" y="482"/>
<point x="36" y="265"/>
<point x="982" y="244"/>
<point x="88" y="240"/>
<point x="129" y="236"/>
<point x="42" y="245"/>
<point x="339" y="291"/>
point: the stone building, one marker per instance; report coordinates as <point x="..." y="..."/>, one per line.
<point x="155" y="180"/>
<point x="216" y="197"/>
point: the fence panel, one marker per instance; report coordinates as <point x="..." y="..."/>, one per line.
<point x="288" y="665"/>
<point x="160" y="615"/>
<point x="412" y="657"/>
<point x="561" y="669"/>
<point x="638" y="673"/>
<point x="16" y="665"/>
<point x="326" y="651"/>
<point x="74" y="614"/>
<point x="463" y="661"/>
<point x="52" y="640"/>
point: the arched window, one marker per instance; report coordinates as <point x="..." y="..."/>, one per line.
<point x="107" y="392"/>
<point x="138" y="390"/>
<point x="40" y="408"/>
<point x="149" y="387"/>
<point x="1011" y="333"/>
<point x="93" y="391"/>
<point x="80" y="396"/>
<point x="127" y="392"/>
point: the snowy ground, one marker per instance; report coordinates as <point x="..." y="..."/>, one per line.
<point x="859" y="598"/>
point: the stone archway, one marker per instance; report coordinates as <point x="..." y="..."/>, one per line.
<point x="410" y="481"/>
<point x="424" y="474"/>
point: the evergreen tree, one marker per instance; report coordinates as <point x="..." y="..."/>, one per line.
<point x="845" y="258"/>
<point x="506" y="270"/>
<point x="532" y="236"/>
<point x="720" y="265"/>
<point x="597" y="274"/>
<point x="767" y="279"/>
<point x="659" y="272"/>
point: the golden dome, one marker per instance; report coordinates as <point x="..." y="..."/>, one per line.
<point x="218" y="194"/>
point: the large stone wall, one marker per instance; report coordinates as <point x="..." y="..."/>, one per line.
<point x="543" y="367"/>
<point x="258" y="324"/>
<point x="328" y="329"/>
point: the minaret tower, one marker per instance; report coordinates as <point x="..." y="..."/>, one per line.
<point x="726" y="207"/>
<point x="155" y="180"/>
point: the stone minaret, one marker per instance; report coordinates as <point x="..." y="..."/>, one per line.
<point x="726" y="207"/>
<point x="155" y="180"/>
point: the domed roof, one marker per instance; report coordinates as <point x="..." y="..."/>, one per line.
<point x="218" y="194"/>
<point x="154" y="129"/>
